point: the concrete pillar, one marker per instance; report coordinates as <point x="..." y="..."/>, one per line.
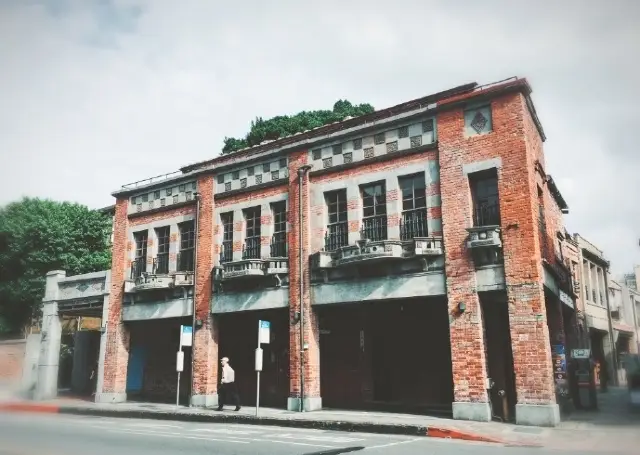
<point x="434" y="211"/>
<point x="49" y="357"/>
<point x="103" y="338"/>
<point x="311" y="334"/>
<point x="205" y="348"/>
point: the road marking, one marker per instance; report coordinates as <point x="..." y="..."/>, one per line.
<point x="172" y="435"/>
<point x="336" y="439"/>
<point x="236" y="439"/>
<point x="225" y="431"/>
<point x="154" y="425"/>
<point x="381" y="446"/>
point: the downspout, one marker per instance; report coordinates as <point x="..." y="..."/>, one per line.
<point x="301" y="172"/>
<point x="193" y="303"/>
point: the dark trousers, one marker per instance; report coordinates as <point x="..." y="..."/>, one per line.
<point x="228" y="393"/>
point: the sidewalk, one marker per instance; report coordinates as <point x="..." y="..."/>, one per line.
<point x="614" y="423"/>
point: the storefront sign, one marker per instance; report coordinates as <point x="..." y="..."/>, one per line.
<point x="581" y="353"/>
<point x="564" y="298"/>
<point x="559" y="363"/>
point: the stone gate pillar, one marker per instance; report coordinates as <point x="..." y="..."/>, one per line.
<point x="49" y="357"/>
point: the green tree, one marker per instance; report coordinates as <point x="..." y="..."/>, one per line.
<point x="283" y="125"/>
<point x="37" y="236"/>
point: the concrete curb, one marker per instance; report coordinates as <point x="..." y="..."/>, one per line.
<point x="332" y="425"/>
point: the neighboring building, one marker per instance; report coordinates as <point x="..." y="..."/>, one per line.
<point x="595" y="295"/>
<point x="427" y="271"/>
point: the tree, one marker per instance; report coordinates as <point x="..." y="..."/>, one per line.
<point x="37" y="236"/>
<point x="283" y="125"/>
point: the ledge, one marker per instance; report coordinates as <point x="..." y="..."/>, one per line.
<point x="166" y="208"/>
<point x="376" y="159"/>
<point x="249" y="189"/>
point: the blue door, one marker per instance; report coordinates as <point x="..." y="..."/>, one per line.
<point x="135" y="369"/>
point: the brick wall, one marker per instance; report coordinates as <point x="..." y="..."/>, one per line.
<point x="117" y="349"/>
<point x="11" y="360"/>
<point x="205" y="378"/>
<point x="312" y="332"/>
<point x="523" y="269"/>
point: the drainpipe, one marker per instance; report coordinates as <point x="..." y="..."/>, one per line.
<point x="193" y="303"/>
<point x="301" y="173"/>
<point x="614" y="359"/>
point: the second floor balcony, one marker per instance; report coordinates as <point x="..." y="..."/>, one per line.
<point x="373" y="243"/>
<point x="251" y="261"/>
<point x="158" y="275"/>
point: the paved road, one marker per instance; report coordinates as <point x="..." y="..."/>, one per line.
<point x="35" y="434"/>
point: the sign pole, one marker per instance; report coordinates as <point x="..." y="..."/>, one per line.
<point x="264" y="335"/>
<point x="179" y="369"/>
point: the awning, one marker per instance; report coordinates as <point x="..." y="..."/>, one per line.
<point x="623" y="328"/>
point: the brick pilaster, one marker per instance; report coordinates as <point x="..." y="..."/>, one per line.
<point x="205" y="349"/>
<point x="311" y="373"/>
<point x="114" y="385"/>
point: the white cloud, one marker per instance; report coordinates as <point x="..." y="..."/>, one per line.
<point x="95" y="94"/>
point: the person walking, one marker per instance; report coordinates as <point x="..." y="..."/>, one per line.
<point x="228" y="388"/>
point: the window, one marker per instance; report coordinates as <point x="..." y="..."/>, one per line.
<point x="187" y="246"/>
<point x="140" y="263"/>
<point x="374" y="212"/>
<point x="221" y="178"/>
<point x="161" y="263"/>
<point x="337" y="228"/>
<point x="226" y="254"/>
<point x="484" y="193"/>
<point x="477" y="121"/>
<point x="414" y="207"/>
<point x="252" y="233"/>
<point x="279" y="240"/>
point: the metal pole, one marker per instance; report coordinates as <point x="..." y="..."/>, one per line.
<point x="193" y="303"/>
<point x="614" y="359"/>
<point x="258" y="375"/>
<point x="178" y="391"/>
<point x="301" y="173"/>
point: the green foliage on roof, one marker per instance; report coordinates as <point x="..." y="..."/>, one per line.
<point x="284" y="125"/>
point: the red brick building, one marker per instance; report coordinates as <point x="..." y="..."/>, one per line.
<point x="423" y="274"/>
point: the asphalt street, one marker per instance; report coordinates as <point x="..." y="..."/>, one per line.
<point x="37" y="434"/>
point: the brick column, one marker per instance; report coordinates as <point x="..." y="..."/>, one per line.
<point x="205" y="349"/>
<point x="266" y="230"/>
<point x="469" y="366"/>
<point x="394" y="208"/>
<point x="518" y="190"/>
<point x="312" y="399"/>
<point x="116" y="355"/>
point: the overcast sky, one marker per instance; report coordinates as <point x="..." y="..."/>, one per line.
<point x="98" y="93"/>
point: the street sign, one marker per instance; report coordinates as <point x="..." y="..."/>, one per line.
<point x="258" y="362"/>
<point x="180" y="361"/>
<point x="186" y="335"/>
<point x="264" y="332"/>
<point x="580" y="353"/>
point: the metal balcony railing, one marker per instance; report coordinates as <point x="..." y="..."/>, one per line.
<point x="374" y="228"/>
<point x="337" y="236"/>
<point x="138" y="266"/>
<point x="161" y="264"/>
<point x="279" y="245"/>
<point x="413" y="224"/>
<point x="185" y="260"/>
<point x="486" y="214"/>
<point x="226" y="252"/>
<point x="251" y="248"/>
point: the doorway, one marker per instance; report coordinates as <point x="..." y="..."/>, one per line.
<point x="502" y="394"/>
